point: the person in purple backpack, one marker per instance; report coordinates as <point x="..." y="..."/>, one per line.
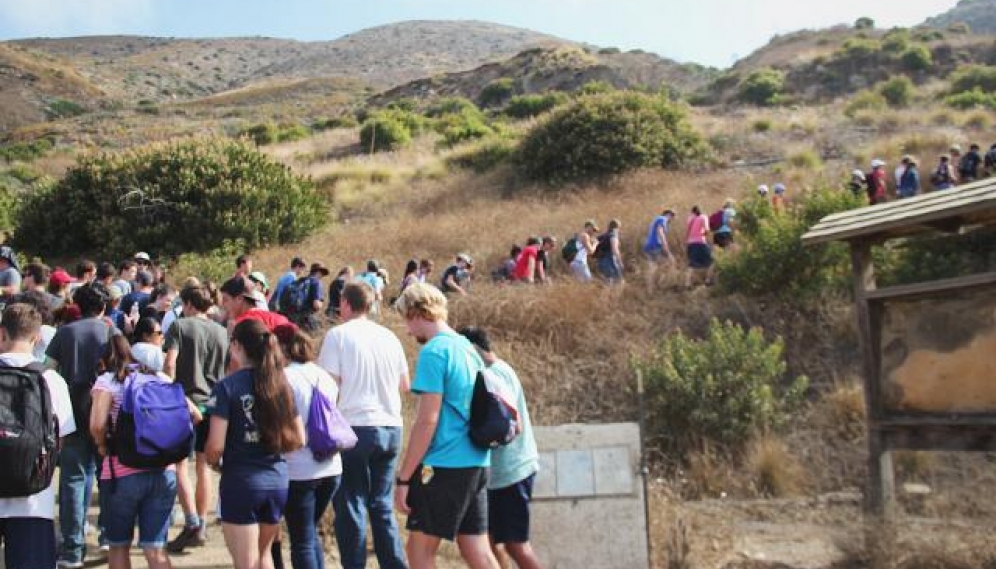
<point x="313" y="482"/>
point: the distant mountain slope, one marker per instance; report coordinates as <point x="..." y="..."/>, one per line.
<point x="980" y="15"/>
<point x="562" y="68"/>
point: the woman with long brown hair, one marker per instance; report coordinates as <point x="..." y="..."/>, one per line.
<point x="253" y="422"/>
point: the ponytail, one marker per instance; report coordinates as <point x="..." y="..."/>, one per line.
<point x="274" y="402"/>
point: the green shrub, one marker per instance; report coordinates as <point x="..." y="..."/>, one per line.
<point x="186" y="197"/>
<point x="331" y="123"/>
<point x="761" y="125"/>
<point x="62" y="108"/>
<point x="930" y="258"/>
<point x="214" y="265"/>
<point x="406" y="104"/>
<point x="971" y="77"/>
<point x="26" y="151"/>
<point x="973" y="99"/>
<point x="865" y="101"/>
<point x="806" y="160"/>
<point x="791" y="271"/>
<point x="292" y="132"/>
<point x="261" y="134"/>
<point x="917" y="58"/>
<point x="147" y="107"/>
<point x="450" y="106"/>
<point x="484" y="155"/>
<point x="898" y="91"/>
<point x="858" y="49"/>
<point x="497" y="92"/>
<point x="723" y="389"/>
<point x="528" y="106"/>
<point x="929" y="35"/>
<point x="896" y="41"/>
<point x="390" y="129"/>
<point x="595" y="88"/>
<point x="609" y="51"/>
<point x="468" y="124"/>
<point x="763" y="87"/>
<point x="864" y="23"/>
<point x="23" y="173"/>
<point x="8" y="207"/>
<point x="608" y="134"/>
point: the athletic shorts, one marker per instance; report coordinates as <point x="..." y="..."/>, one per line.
<point x="201" y="433"/>
<point x="656" y="255"/>
<point x="244" y="505"/>
<point x="722" y="239"/>
<point x="699" y="256"/>
<point x="449" y="502"/>
<point x="508" y="511"/>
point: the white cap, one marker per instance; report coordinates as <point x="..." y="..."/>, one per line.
<point x="858" y="174"/>
<point x="149" y="355"/>
<point x="141" y="255"/>
<point x="876" y="163"/>
<point x="260" y="299"/>
<point x="762" y="189"/>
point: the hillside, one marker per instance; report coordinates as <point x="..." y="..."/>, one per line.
<point x="980" y="15"/>
<point x="564" y="68"/>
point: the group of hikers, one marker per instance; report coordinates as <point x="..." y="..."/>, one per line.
<point x="953" y="168"/>
<point x="145" y="391"/>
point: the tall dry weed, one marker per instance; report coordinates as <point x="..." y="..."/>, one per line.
<point x="774" y="471"/>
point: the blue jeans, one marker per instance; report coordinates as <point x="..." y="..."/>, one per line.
<point x="29" y="543"/>
<point x="144" y="499"/>
<point x="307" y="501"/>
<point x="77" y="466"/>
<point x="368" y="487"/>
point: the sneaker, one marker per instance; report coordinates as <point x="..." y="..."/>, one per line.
<point x="104" y="548"/>
<point x="189" y="537"/>
<point x="68" y="564"/>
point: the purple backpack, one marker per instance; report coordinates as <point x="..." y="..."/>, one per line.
<point x="328" y="431"/>
<point x="153" y="429"/>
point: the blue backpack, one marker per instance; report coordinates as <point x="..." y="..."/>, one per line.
<point x="153" y="429"/>
<point x="294" y="298"/>
<point x="494" y="420"/>
<point x="328" y="430"/>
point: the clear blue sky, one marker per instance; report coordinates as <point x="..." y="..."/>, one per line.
<point x="712" y="32"/>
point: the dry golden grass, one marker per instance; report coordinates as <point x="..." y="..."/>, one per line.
<point x="774" y="471"/>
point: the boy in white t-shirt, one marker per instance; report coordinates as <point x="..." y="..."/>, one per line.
<point x="27" y="528"/>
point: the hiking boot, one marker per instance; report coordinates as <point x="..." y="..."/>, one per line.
<point x="189" y="537"/>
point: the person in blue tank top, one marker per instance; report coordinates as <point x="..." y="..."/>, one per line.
<point x="656" y="247"/>
<point x="442" y="482"/>
<point x="253" y="422"/>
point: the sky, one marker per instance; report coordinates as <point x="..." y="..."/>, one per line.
<point x="710" y="32"/>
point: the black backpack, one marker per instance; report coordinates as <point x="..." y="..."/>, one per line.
<point x="494" y="420"/>
<point x="570" y="249"/>
<point x="29" y="432"/>
<point x="295" y="296"/>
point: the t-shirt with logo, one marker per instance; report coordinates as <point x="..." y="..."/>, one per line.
<point x="42" y="504"/>
<point x="245" y="457"/>
<point x="522" y="263"/>
<point x="653" y="242"/>
<point x="448" y="365"/>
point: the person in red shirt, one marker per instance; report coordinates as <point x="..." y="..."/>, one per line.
<point x="876" y="182"/>
<point x="242" y="301"/>
<point x="527" y="266"/>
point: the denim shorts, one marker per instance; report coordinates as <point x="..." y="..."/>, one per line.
<point x="144" y="498"/>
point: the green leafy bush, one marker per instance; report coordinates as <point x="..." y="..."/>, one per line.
<point x="917" y="58"/>
<point x="484" y="155"/>
<point x="761" y="125"/>
<point x="497" y="92"/>
<point x="261" y="134"/>
<point x="858" y="49"/>
<point x="528" y="106"/>
<point x="723" y="389"/>
<point x="389" y="130"/>
<point x="450" y="106"/>
<point x="214" y="265"/>
<point x="596" y="88"/>
<point x="765" y="87"/>
<point x="292" y="132"/>
<point x="63" y="108"/>
<point x="930" y="258"/>
<point x="865" y="101"/>
<point x="972" y="77"/>
<point x="806" y="160"/>
<point x="976" y="98"/>
<point x="601" y="135"/>
<point x="183" y="197"/>
<point x="898" y="91"/>
<point x="864" y="23"/>
<point x="468" y="124"/>
<point x="334" y="122"/>
<point x="791" y="271"/>
<point x="26" y="151"/>
<point x="8" y="207"/>
<point x="147" y="107"/>
<point x="896" y="41"/>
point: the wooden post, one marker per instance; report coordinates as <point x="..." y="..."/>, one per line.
<point x="881" y="489"/>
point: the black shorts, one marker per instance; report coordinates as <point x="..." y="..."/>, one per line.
<point x="508" y="511"/>
<point x="453" y="501"/>
<point x="201" y="433"/>
<point x="723" y="239"/>
<point x="699" y="256"/>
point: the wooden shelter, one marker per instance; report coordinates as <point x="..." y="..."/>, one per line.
<point x="927" y="348"/>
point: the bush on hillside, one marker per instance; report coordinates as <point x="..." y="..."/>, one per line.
<point x="858" y="49"/>
<point x="939" y="257"/>
<point x="917" y="58"/>
<point x="723" y="389"/>
<point x="484" y="155"/>
<point x="497" y="92"/>
<point x="468" y="124"/>
<point x="190" y="196"/>
<point x="971" y="77"/>
<point x="595" y="88"/>
<point x="528" y="106"/>
<point x="334" y="123"/>
<point x="764" y="87"/>
<point x="864" y="101"/>
<point x="864" y="23"/>
<point x="896" y="41"/>
<point x="8" y="207"/>
<point x="26" y="151"/>
<point x="63" y="108"/>
<point x="261" y="134"/>
<point x="974" y="99"/>
<point x="608" y="134"/>
<point x="898" y="91"/>
<point x="791" y="271"/>
<point x="389" y="129"/>
<point x="450" y="106"/>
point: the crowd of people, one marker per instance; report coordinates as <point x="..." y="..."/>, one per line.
<point x="255" y="371"/>
<point x="952" y="168"/>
